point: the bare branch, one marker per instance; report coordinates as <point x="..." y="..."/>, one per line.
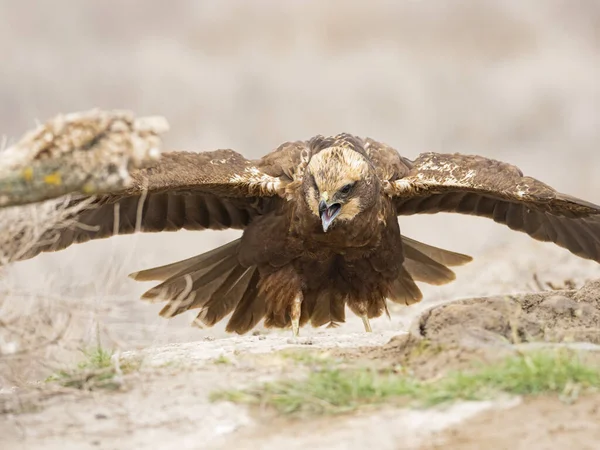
<point x="87" y="153"/>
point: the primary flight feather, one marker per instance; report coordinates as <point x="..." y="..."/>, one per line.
<point x="320" y="227"/>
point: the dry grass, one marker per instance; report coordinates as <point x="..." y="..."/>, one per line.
<point x="30" y="322"/>
<point x="25" y="228"/>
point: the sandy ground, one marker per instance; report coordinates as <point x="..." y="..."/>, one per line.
<point x="541" y="423"/>
<point x="166" y="401"/>
<point x="512" y="80"/>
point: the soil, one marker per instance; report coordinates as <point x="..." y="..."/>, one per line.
<point x="453" y="336"/>
<point x="540" y="423"/>
<point x="166" y="400"/>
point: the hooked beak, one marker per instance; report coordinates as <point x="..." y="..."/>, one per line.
<point x="328" y="213"/>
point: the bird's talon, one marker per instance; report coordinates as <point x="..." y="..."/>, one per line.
<point x="295" y="315"/>
<point x="367" y="324"/>
<point x="295" y="328"/>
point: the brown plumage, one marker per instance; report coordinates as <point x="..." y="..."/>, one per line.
<point x="320" y="227"/>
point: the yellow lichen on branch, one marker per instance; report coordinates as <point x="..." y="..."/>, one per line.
<point x="89" y="153"/>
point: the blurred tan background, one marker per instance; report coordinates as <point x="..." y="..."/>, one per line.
<point x="512" y="80"/>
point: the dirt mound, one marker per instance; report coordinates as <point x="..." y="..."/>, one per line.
<point x="454" y="335"/>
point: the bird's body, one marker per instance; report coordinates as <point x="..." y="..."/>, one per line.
<point x="353" y="263"/>
<point x="320" y="227"/>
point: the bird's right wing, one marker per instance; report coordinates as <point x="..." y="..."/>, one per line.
<point x="484" y="187"/>
<point x="183" y="190"/>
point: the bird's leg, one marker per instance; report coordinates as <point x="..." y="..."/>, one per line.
<point x="295" y="314"/>
<point x="367" y="324"/>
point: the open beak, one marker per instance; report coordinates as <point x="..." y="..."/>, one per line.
<point x="328" y="213"/>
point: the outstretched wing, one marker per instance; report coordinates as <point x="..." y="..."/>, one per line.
<point x="484" y="187"/>
<point x="184" y="190"/>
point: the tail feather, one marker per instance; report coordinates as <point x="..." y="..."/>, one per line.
<point x="307" y="308"/>
<point x="404" y="290"/>
<point x="195" y="263"/>
<point x="202" y="288"/>
<point x="439" y="255"/>
<point x="224" y="300"/>
<point x="213" y="281"/>
<point x="428" y="264"/>
<point x="328" y="309"/>
<point x="216" y="283"/>
<point x="170" y="288"/>
<point x="422" y="268"/>
<point x="175" y="285"/>
<point x="250" y="309"/>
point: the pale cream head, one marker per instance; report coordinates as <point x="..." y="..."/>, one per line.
<point x="340" y="177"/>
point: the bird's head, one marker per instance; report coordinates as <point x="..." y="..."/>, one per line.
<point x="339" y="184"/>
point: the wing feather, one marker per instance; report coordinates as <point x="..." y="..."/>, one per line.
<point x="484" y="187"/>
<point x="184" y="190"/>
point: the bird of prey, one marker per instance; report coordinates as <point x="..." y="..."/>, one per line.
<point x="320" y="227"/>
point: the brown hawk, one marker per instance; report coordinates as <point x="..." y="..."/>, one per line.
<point x="320" y="227"/>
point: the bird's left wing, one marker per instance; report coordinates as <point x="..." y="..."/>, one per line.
<point x="183" y="190"/>
<point x="484" y="187"/>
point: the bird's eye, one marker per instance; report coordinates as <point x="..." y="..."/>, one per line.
<point x="346" y="188"/>
<point x="315" y="185"/>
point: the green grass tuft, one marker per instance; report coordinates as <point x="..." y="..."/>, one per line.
<point x="222" y="360"/>
<point x="331" y="390"/>
<point x="539" y="372"/>
<point x="96" y="371"/>
<point x="96" y="358"/>
<point x="307" y="357"/>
